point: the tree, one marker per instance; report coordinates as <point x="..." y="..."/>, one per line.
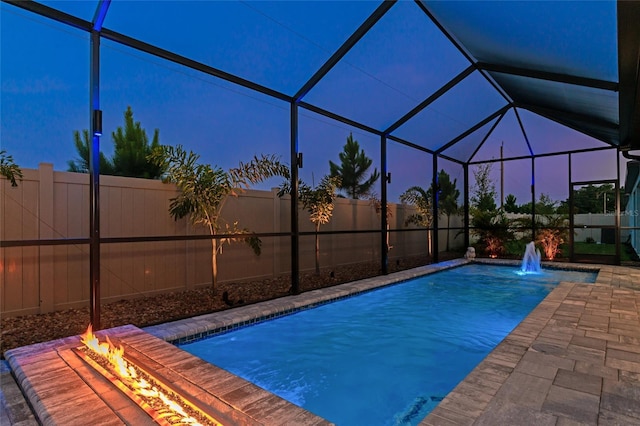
<point x="552" y="232"/>
<point x="492" y="229"/>
<point x="484" y="191"/>
<point x="488" y="222"/>
<point x="353" y="169"/>
<point x="591" y="199"/>
<point x="131" y="151"/>
<point x="81" y="165"/>
<point x="552" y="229"/>
<point x="204" y="190"/>
<point x="544" y="205"/>
<point x="447" y="198"/>
<point x="421" y="200"/>
<point x="9" y="169"/>
<point x="318" y="202"/>
<point x="376" y="203"/>
<point x="511" y="204"/>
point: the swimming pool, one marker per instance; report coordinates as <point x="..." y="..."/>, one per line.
<point x="387" y="356"/>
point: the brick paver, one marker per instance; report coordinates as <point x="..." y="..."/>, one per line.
<point x="575" y="360"/>
<point x="581" y="365"/>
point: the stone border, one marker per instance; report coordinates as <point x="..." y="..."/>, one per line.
<point x="575" y="360"/>
<point x="203" y="326"/>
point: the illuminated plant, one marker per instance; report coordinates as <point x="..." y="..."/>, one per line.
<point x="420" y="199"/>
<point x="447" y="198"/>
<point x="318" y="202"/>
<point x="204" y="190"/>
<point x="552" y="233"/>
<point x="493" y="231"/>
<point x="376" y="203"/>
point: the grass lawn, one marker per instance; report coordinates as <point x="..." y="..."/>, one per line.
<point x="600" y="249"/>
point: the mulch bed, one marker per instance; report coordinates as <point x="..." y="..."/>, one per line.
<point x="145" y="311"/>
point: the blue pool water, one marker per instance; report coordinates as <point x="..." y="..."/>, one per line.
<point x="386" y="357"/>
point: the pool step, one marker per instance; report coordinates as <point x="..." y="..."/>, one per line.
<point x="416" y="408"/>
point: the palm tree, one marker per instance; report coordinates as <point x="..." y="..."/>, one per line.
<point x="204" y="190"/>
<point x="376" y="203"/>
<point x="421" y="200"/>
<point x="9" y="169"/>
<point x="318" y="202"/>
<point x="447" y="198"/>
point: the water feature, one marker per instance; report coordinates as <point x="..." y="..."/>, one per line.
<point x="386" y="357"/>
<point x="531" y="260"/>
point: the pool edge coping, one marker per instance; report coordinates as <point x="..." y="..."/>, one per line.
<point x="200" y="327"/>
<point x="182" y="331"/>
<point x="484" y="398"/>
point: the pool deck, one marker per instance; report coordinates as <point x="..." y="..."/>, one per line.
<point x="575" y="360"/>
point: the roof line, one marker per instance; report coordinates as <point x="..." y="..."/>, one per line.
<point x="563" y="117"/>
<point x="409" y="144"/>
<point x="628" y="13"/>
<point x="462" y="50"/>
<point x="52" y="13"/>
<point x="472" y="129"/>
<point x="493" y="127"/>
<point x="441" y="91"/>
<point x="547" y="154"/>
<point x="344" y="49"/>
<point x="182" y="60"/>
<point x="550" y="76"/>
<point x="338" y="117"/>
<point x="100" y="14"/>
<point x="454" y="160"/>
<point x="524" y="133"/>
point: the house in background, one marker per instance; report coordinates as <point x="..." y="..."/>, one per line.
<point x="632" y="209"/>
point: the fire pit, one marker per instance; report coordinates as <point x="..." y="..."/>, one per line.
<point x="164" y="403"/>
<point x="68" y="384"/>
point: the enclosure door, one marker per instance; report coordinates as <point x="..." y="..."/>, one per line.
<point x="595" y="227"/>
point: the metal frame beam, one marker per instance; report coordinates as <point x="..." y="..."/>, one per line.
<point x="49" y="12"/>
<point x="566" y="119"/>
<point x="344" y="49"/>
<point x="94" y="181"/>
<point x="550" y="76"/>
<point x="190" y="63"/>
<point x="434" y="195"/>
<point x="473" y="129"/>
<point x="339" y="118"/>
<point x="493" y="127"/>
<point x="548" y="154"/>
<point x="629" y="73"/>
<point x="384" y="231"/>
<point x="409" y="144"/>
<point x="438" y="93"/>
<point x="295" y="229"/>
<point x="524" y="133"/>
<point x="462" y="50"/>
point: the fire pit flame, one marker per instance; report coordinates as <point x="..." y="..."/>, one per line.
<point x="171" y="412"/>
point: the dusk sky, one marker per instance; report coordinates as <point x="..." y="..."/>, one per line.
<point x="45" y="86"/>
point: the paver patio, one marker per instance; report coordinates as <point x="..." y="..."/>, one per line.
<point x="574" y="360"/>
